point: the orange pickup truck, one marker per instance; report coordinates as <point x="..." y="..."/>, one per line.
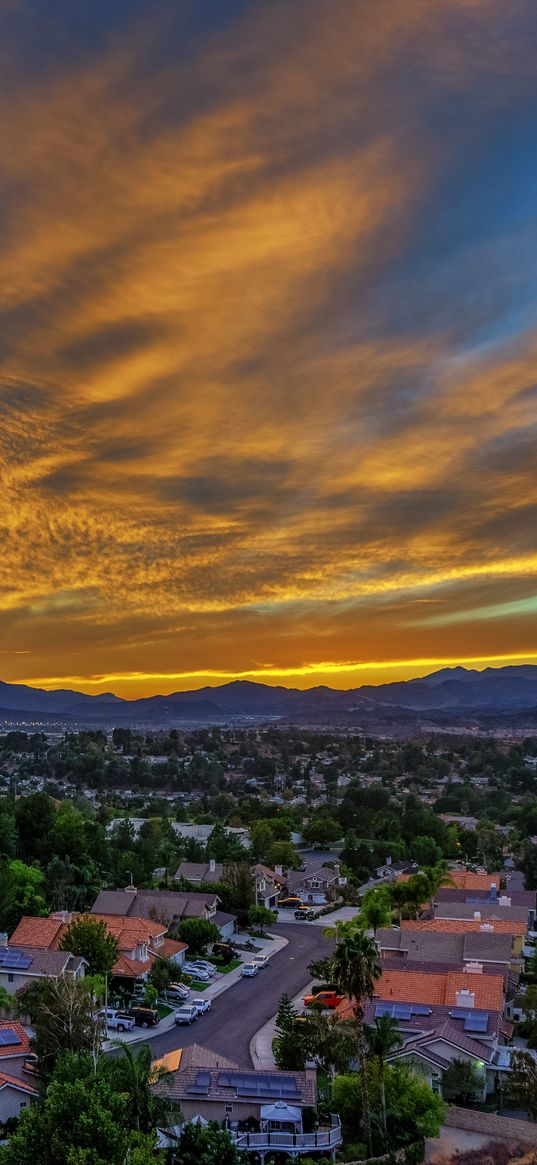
<point x="324" y="999"/>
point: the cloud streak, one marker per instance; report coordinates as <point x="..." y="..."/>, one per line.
<point x="268" y="370"/>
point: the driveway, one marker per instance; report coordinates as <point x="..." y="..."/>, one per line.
<point x="239" y="1013"/>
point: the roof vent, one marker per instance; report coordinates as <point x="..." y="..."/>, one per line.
<point x="487" y="928"/>
<point x="477" y="916"/>
<point x="131" y="889"/>
<point x="503" y="900"/>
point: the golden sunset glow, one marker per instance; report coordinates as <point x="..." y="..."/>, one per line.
<point x="268" y="403"/>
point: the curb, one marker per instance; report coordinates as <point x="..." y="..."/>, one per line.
<point x="212" y="991"/>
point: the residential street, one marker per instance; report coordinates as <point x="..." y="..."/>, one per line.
<point x="240" y="1012"/>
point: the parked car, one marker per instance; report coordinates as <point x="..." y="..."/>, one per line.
<point x="304" y="912"/>
<point x="120" y="1021"/>
<point x="201" y="1005"/>
<point x="197" y="972"/>
<point x="144" y="1016"/>
<point x="180" y="990"/>
<point x="249" y="969"/>
<point x="186" y="1014"/>
<point x="261" y="961"/>
<point x="203" y="965"/>
<point x="324" y="999"/>
<point x="289" y="903"/>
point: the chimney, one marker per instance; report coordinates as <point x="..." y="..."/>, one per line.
<point x="503" y="900"/>
<point x="474" y="967"/>
<point x="310" y="1070"/>
<point x="493" y="889"/>
<point x="477" y="916"/>
<point x="278" y="870"/>
<point x="465" y="998"/>
<point x="487" y="928"/>
<point x="212" y="865"/>
<point x="131" y="889"/>
<point x="336" y="869"/>
<point x="3" y="938"/>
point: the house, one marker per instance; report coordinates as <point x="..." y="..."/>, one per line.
<point x="166" y="906"/>
<point x="391" y="871"/>
<point x="268" y="884"/>
<point x="22" y="965"/>
<point x="462" y="988"/>
<point x="15" y="1095"/>
<point x="516" y="929"/>
<point x="316" y="884"/>
<point x="140" y="940"/>
<point x="197" y="872"/>
<point x="14" y="1047"/>
<point x="463" y="947"/>
<point x="502" y="910"/>
<point x="260" y="1109"/>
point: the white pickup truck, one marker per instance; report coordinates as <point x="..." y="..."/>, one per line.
<point x="116" y="1019"/>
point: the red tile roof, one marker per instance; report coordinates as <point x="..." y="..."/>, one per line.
<point x="466" y="880"/>
<point x="430" y="987"/>
<point x="458" y="925"/>
<point x="19" y="1049"/>
<point x="37" y="932"/>
<point x="14" y="1082"/>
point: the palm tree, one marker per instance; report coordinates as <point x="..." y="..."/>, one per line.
<point x="436" y="876"/>
<point x="382" y="1038"/>
<point x="399" y="897"/>
<point x="134" y="1075"/>
<point x="355" y="966"/>
<point x="375" y="911"/>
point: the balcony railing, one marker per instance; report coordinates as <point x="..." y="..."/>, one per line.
<point x="324" y="1139"/>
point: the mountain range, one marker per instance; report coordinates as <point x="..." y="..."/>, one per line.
<point x="505" y="696"/>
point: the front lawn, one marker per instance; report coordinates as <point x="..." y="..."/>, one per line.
<point x="228" y="966"/>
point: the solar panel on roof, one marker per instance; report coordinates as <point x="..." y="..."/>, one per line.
<point x="419" y="1009"/>
<point x="476" y="1023"/>
<point x="402" y="1011"/>
<point x="203" y="1078"/>
<point x="383" y="1008"/>
<point x="8" y="1036"/>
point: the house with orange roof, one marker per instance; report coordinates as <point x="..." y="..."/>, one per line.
<point x="464" y="988"/>
<point x="140" y="940"/>
<point x="15" y="1095"/>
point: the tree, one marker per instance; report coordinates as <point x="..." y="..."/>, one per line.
<point x="61" y="1011"/>
<point x="237" y="877"/>
<point x="425" y="851"/>
<point x="462" y="1080"/>
<point x="90" y="938"/>
<point x="197" y="933"/>
<point x="382" y="1039"/>
<point x="322" y="830"/>
<point x="207" y="1145"/>
<point x="21" y="892"/>
<point x="289" y="1052"/>
<point x="413" y="1109"/>
<point x="435" y="877"/>
<point x="331" y="1041"/>
<point x="355" y="966"/>
<point x="80" y="1121"/>
<point x="283" y="853"/>
<point x="163" y="972"/>
<point x="375" y="910"/>
<point x="260" y="916"/>
<point x="523" y="1082"/>
<point x="132" y="1075"/>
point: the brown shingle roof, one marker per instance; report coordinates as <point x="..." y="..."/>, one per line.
<point x="37" y="932"/>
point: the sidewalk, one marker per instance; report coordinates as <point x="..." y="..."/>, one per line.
<point x="261" y="1044"/>
<point x="216" y="987"/>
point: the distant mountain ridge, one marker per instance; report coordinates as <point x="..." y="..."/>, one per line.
<point x="449" y="693"/>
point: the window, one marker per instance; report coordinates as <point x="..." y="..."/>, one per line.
<point x="23" y="1103"/>
<point x="229" y="1108"/>
<point x="11" y="978"/>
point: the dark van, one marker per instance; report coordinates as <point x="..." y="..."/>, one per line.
<point x="144" y="1016"/>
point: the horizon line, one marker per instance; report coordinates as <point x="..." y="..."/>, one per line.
<point x="271" y="672"/>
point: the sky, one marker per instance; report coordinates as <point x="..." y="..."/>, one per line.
<point x="268" y="340"/>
